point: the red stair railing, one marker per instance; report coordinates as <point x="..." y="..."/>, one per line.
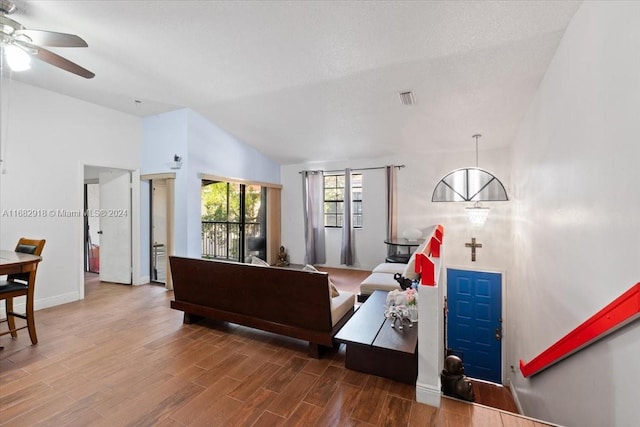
<point x="621" y="311"/>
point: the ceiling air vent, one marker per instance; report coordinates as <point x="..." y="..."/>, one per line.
<point x="407" y="98"/>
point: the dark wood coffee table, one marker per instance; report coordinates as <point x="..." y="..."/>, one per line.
<point x="374" y="347"/>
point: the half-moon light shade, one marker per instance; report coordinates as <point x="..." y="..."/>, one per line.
<point x="469" y="185"/>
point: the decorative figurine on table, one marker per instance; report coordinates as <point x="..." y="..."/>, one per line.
<point x="403" y="281"/>
<point x="283" y="259"/>
<point x="454" y="382"/>
<point x="396" y="309"/>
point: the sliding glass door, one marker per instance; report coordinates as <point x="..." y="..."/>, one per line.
<point x="233" y="221"/>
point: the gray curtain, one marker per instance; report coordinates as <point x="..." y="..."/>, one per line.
<point x="346" y="249"/>
<point x="312" y="196"/>
<point x="392" y="201"/>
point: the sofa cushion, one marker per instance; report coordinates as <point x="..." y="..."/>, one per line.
<point x="341" y="305"/>
<point x="332" y="289"/>
<point x="378" y="282"/>
<point x="389" y="267"/>
<point x="309" y="267"/>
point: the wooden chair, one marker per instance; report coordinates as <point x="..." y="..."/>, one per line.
<point x="22" y="284"/>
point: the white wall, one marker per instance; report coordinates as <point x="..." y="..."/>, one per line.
<point x="415" y="210"/>
<point x="204" y="148"/>
<point x="47" y="139"/>
<point x="576" y="233"/>
<point x="368" y="240"/>
<point x="215" y="152"/>
<point x="164" y="136"/>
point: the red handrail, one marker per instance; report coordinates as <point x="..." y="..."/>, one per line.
<point x="621" y="311"/>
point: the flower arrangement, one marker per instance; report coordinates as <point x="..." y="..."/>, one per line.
<point x="402" y="305"/>
<point x="412" y="296"/>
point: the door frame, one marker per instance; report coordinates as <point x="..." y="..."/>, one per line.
<point x="274" y="196"/>
<point x="503" y="314"/>
<point x="134" y="214"/>
<point x="170" y="181"/>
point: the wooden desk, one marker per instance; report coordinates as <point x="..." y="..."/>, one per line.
<point x="374" y="347"/>
<point x="15" y="262"/>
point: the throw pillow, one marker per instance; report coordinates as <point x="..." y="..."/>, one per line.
<point x="257" y="261"/>
<point x="332" y="289"/>
<point x="309" y="267"/>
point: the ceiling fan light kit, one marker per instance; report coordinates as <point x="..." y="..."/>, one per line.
<point x="18" y="59"/>
<point x="20" y="44"/>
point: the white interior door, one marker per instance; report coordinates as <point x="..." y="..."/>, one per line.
<point x="115" y="226"/>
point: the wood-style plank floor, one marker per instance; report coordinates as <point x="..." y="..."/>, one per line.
<point x="487" y="394"/>
<point x="123" y="357"/>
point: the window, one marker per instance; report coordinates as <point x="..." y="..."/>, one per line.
<point x="233" y="220"/>
<point x="334" y="200"/>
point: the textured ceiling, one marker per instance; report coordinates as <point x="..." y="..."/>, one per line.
<point x="311" y="81"/>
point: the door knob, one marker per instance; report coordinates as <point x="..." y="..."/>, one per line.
<point x="498" y="334"/>
<point x="100" y="232"/>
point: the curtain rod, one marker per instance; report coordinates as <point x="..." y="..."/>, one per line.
<point x="354" y="170"/>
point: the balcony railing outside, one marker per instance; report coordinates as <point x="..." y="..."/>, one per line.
<point x="221" y="239"/>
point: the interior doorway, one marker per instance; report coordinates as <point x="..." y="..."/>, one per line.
<point x="108" y="244"/>
<point x="158" y="199"/>
<point x="160" y="239"/>
<point x="91" y="227"/>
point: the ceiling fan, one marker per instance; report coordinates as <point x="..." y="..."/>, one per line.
<point x="20" y="44"/>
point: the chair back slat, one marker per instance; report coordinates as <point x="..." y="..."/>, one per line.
<point x="27" y="246"/>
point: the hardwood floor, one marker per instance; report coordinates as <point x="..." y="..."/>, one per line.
<point x="494" y="395"/>
<point x="487" y="394"/>
<point x="123" y="357"/>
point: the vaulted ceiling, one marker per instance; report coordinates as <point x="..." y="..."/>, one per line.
<point x="313" y="80"/>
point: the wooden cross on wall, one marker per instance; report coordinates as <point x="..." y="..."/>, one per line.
<point x="473" y="245"/>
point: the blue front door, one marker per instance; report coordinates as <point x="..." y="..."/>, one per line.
<point x="474" y="322"/>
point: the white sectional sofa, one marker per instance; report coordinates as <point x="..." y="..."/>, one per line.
<point x="382" y="276"/>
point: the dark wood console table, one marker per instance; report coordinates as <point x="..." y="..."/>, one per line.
<point x="374" y="347"/>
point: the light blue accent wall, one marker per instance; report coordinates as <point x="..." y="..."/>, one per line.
<point x="214" y="151"/>
<point x="204" y="148"/>
<point x="164" y="136"/>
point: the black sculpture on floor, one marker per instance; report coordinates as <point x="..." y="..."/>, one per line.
<point x="454" y="382"/>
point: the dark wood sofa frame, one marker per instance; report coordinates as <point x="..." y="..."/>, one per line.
<point x="289" y="302"/>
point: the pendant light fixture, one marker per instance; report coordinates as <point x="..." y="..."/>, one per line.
<point x="471" y="184"/>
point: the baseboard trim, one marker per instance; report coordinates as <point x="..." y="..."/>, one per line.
<point x="514" y="394"/>
<point x="39" y="304"/>
<point x="428" y="395"/>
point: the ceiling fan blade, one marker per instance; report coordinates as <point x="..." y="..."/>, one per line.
<point x="56" y="60"/>
<point x="51" y="38"/>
